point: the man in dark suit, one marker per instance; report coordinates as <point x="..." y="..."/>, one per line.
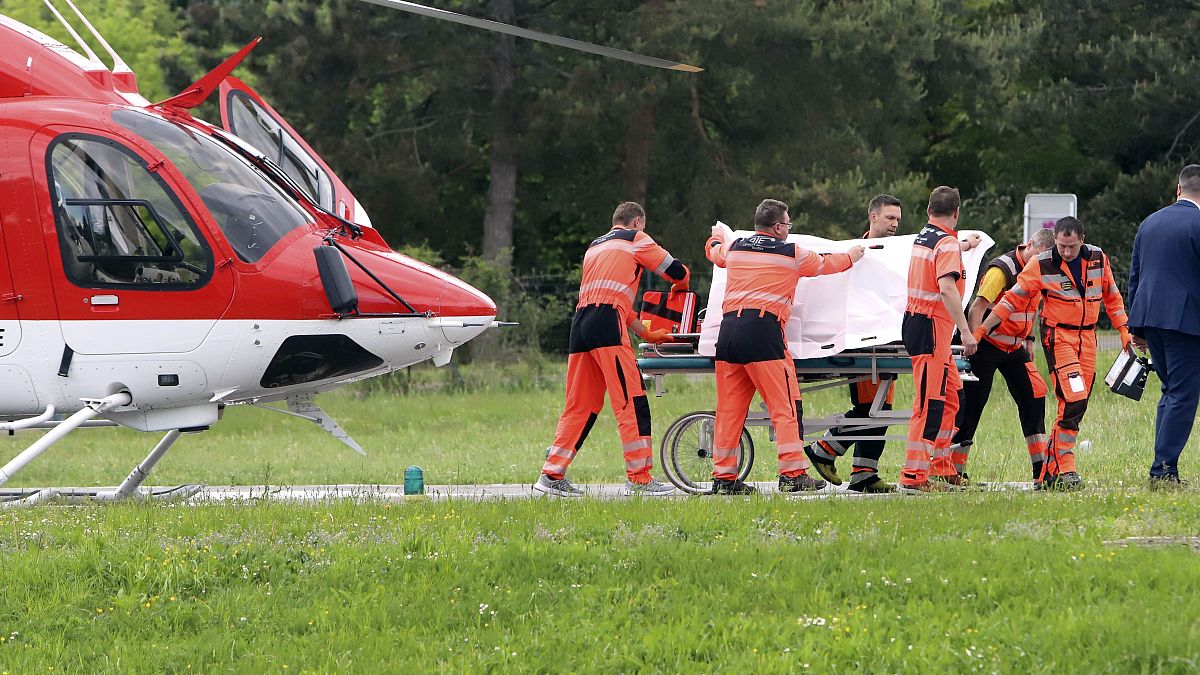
<point x="1164" y="314"/>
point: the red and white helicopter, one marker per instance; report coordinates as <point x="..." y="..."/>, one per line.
<point x="155" y="268"/>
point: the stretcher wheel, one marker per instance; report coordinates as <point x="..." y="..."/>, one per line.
<point x="686" y="452"/>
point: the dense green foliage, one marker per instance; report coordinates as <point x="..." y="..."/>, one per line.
<point x="822" y="104"/>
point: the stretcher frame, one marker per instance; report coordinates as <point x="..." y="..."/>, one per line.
<point x="874" y="364"/>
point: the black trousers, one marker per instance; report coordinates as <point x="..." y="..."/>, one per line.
<point x="1015" y="368"/>
<point x="867" y="451"/>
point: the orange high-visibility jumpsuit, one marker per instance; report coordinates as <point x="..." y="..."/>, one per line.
<point x="1003" y="349"/>
<point x="1068" y="334"/>
<point x="600" y="357"/>
<point x="927" y="331"/>
<point x="752" y="353"/>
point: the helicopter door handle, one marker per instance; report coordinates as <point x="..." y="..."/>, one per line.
<point x="104" y="300"/>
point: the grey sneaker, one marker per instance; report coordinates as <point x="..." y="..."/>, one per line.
<point x="559" y="488"/>
<point x="651" y="489"/>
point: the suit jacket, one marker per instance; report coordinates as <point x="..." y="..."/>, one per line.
<point x="1164" y="275"/>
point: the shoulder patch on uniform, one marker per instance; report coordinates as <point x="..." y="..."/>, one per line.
<point x="611" y="235"/>
<point x="760" y="243"/>
<point x="929" y="237"/>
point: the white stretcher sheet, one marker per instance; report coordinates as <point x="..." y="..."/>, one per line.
<point x="861" y="307"/>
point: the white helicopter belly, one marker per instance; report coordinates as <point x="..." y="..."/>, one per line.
<point x="230" y="361"/>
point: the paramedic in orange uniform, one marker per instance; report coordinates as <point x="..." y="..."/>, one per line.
<point x="934" y="309"/>
<point x="883" y="218"/>
<point x="601" y="358"/>
<point x="752" y="355"/>
<point x="1071" y="280"/>
<point x="1007" y="349"/>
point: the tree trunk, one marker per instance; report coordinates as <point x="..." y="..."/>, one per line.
<point x="639" y="140"/>
<point x="502" y="190"/>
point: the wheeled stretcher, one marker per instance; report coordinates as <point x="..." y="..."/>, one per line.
<point x="685" y="454"/>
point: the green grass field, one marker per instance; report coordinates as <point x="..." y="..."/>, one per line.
<point x="996" y="582"/>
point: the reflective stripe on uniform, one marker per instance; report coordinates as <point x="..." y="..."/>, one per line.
<point x="636" y="445"/>
<point x="756" y="259"/>
<point x="662" y="267"/>
<point x="756" y="295"/>
<point x="639" y="464"/>
<point x="1005" y="339"/>
<point x="865" y="463"/>
<point x="607" y="285"/>
<point x="918" y="294"/>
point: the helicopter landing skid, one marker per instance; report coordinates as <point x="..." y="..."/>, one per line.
<point x="30" y="496"/>
<point x="128" y="489"/>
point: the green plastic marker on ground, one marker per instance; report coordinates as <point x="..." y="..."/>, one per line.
<point x="414" y="481"/>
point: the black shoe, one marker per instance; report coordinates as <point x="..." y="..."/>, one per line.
<point x="1167" y="482"/>
<point x="1069" y="480"/>
<point x="872" y="485"/>
<point x="825" y="467"/>
<point x="801" y="483"/>
<point x="732" y="486"/>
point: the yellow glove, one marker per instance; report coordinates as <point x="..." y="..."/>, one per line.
<point x="657" y="336"/>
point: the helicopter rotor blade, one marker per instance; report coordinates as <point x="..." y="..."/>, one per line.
<point x="569" y="43"/>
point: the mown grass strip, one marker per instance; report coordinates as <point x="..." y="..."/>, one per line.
<point x="989" y="582"/>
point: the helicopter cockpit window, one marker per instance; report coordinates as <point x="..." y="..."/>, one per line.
<point x="253" y="124"/>
<point x="252" y="212"/>
<point x="118" y="223"/>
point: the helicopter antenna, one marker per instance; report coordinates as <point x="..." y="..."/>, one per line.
<point x="497" y="27"/>
<point x="88" y="50"/>
<point x="119" y="66"/>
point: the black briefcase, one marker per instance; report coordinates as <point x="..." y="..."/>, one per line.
<point x="1128" y="374"/>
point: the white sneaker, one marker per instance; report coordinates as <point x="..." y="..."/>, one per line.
<point x="651" y="489"/>
<point x="559" y="488"/>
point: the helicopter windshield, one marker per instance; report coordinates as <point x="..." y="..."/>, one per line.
<point x="252" y="212"/>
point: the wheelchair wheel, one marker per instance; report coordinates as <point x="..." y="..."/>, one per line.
<point x="686" y="452"/>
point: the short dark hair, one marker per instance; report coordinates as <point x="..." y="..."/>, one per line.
<point x="626" y="212"/>
<point x="1189" y="179"/>
<point x="944" y="201"/>
<point x="881" y="201"/>
<point x="1068" y="226"/>
<point x="769" y="212"/>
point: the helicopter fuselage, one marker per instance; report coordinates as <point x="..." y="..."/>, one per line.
<point x="141" y="251"/>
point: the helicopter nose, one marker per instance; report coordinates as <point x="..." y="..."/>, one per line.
<point x="466" y="311"/>
<point x="460" y="299"/>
